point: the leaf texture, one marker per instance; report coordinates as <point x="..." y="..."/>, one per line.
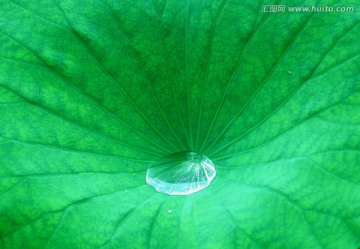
<point x="93" y="92"/>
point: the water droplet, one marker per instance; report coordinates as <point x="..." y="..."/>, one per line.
<point x="181" y="173"/>
<point x="126" y="190"/>
<point x="169" y="211"/>
<point x="289" y="72"/>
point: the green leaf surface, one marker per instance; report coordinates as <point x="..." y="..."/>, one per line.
<point x="93" y="92"/>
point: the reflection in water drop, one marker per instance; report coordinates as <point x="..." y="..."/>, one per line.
<point x="169" y="211"/>
<point x="181" y="173"/>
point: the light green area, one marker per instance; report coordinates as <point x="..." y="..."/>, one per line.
<point x="93" y="91"/>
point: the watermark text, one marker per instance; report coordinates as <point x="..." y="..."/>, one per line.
<point x="313" y="8"/>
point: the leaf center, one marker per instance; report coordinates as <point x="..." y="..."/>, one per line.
<point x="181" y="173"/>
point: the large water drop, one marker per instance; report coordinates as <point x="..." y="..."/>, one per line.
<point x="181" y="173"/>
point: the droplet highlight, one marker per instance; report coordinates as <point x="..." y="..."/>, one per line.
<point x="181" y="173"/>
